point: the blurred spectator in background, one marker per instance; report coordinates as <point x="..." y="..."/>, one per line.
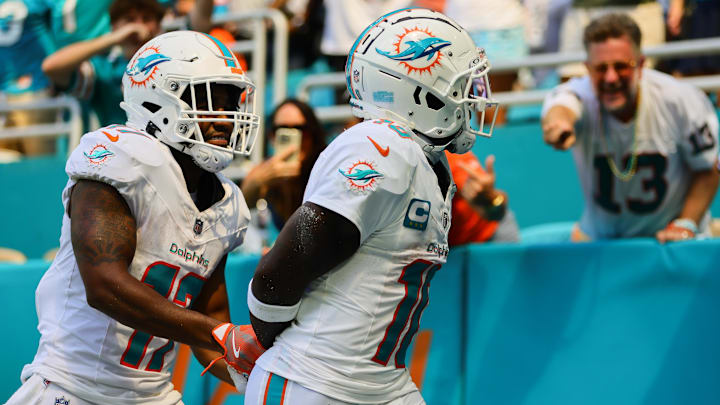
<point x="647" y="13"/>
<point x="480" y="212"/>
<point x="306" y="18"/>
<point x="305" y="22"/>
<point x="693" y="19"/>
<point x="197" y="14"/>
<point x="296" y="138"/>
<point x="499" y="25"/>
<point x="92" y="69"/>
<point x="345" y="20"/>
<point x="25" y="39"/>
<point x="646" y="143"/>
<point x="546" y="18"/>
<point x="79" y="20"/>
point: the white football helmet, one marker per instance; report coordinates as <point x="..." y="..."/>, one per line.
<point x="160" y="86"/>
<point x="420" y="68"/>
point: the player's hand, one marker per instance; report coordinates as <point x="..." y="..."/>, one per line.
<point x="241" y="346"/>
<point x="674" y="232"/>
<point x="558" y="131"/>
<point x="241" y="349"/>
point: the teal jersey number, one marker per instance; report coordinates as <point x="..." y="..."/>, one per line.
<point x="79" y="20"/>
<point x="161" y="277"/>
<point x="416" y="277"/>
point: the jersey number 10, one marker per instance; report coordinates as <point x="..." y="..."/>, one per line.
<point x="416" y="276"/>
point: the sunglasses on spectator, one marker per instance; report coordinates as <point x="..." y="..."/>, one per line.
<point x="622" y="68"/>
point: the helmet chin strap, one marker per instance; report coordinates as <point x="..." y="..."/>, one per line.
<point x="432" y="151"/>
<point x="205" y="157"/>
<point x="208" y="158"/>
<point x="460" y="143"/>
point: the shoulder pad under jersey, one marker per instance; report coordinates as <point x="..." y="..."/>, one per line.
<point x="115" y="153"/>
<point x="378" y="145"/>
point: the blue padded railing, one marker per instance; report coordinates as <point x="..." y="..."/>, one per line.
<point x="622" y="322"/>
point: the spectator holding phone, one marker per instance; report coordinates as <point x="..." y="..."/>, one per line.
<point x="296" y="139"/>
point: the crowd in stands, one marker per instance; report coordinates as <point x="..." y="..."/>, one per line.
<point x="49" y="48"/>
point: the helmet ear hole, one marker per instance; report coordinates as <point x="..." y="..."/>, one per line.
<point x="152" y="107"/>
<point x="151" y="128"/>
<point x="433" y="102"/>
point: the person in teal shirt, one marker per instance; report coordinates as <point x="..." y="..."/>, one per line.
<point x="78" y="20"/>
<point x="25" y="40"/>
<point x="92" y="69"/>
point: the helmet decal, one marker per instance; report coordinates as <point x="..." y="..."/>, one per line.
<point x="230" y="60"/>
<point x="144" y="66"/>
<point x="419" y="68"/>
<point x="421" y="53"/>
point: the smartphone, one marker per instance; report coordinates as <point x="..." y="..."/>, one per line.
<point x="286" y="138"/>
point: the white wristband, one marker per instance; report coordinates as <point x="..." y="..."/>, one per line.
<point x="686" y="223"/>
<point x="270" y="313"/>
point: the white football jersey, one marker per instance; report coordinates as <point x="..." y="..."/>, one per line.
<point x="677" y="133"/>
<point x="350" y="338"/>
<point x="178" y="247"/>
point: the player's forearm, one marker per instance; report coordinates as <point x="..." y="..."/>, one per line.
<point x="702" y="189"/>
<point x="60" y="65"/>
<point x="135" y="305"/>
<point x="266" y="332"/>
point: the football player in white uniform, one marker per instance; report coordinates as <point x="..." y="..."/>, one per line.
<point x="340" y="295"/>
<point x="147" y="227"/>
<point x="645" y="144"/>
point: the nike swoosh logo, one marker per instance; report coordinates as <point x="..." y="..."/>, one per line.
<point x="236" y="350"/>
<point x="383" y="151"/>
<point x="113" y="138"/>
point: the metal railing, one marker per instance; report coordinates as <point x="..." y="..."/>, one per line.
<point x="70" y="126"/>
<point x="341" y="112"/>
<point x="256" y="47"/>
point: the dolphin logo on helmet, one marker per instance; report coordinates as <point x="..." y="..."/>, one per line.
<point x="146" y="63"/>
<point x="417" y="49"/>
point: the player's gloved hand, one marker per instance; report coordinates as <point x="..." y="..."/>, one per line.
<point x="241" y="349"/>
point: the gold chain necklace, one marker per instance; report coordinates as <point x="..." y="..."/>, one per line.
<point x="631" y="167"/>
